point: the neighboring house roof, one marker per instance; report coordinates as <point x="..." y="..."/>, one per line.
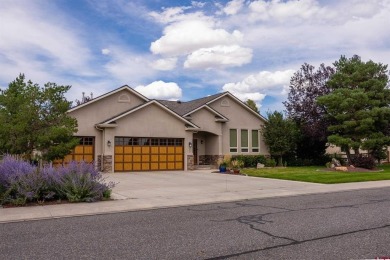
<point x="134" y="109"/>
<point x="108" y="94"/>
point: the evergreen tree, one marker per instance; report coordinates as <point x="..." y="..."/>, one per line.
<point x="358" y="106"/>
<point x="34" y="118"/>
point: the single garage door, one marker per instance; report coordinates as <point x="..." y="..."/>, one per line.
<point x="84" y="151"/>
<point x="148" y="154"/>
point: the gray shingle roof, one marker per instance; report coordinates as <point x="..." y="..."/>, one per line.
<point x="183" y="108"/>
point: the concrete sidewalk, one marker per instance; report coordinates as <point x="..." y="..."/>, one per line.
<point x="150" y="190"/>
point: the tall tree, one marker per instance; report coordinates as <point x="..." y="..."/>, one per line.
<point x="306" y="85"/>
<point x="358" y="105"/>
<point x="252" y="105"/>
<point x="35" y="118"/>
<point x="280" y="134"/>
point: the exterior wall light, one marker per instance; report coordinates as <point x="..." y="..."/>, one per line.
<point x="109" y="143"/>
<point x="190" y="144"/>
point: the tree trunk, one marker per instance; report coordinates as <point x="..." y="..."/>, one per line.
<point x="280" y="161"/>
<point x="349" y="157"/>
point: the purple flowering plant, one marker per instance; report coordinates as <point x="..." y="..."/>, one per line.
<point x="21" y="182"/>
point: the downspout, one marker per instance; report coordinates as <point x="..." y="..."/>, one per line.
<point x="103" y="142"/>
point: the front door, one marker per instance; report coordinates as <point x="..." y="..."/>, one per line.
<point x="195" y="150"/>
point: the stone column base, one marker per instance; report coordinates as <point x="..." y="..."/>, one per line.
<point x="106" y="165"/>
<point x="190" y="163"/>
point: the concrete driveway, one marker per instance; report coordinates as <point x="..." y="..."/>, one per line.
<point x="159" y="189"/>
<point x="149" y="190"/>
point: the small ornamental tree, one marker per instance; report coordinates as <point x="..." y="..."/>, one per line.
<point x="280" y="135"/>
<point x="35" y="118"/>
<point x="358" y="106"/>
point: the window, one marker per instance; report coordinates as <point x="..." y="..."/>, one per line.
<point x="255" y="141"/>
<point x="233" y="140"/>
<point x="244" y="140"/>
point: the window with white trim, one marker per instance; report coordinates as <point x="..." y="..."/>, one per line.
<point x="255" y="141"/>
<point x="233" y="140"/>
<point x="244" y="141"/>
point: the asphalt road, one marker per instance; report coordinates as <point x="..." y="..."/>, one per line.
<point x="344" y="225"/>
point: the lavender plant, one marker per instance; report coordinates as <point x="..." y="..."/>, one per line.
<point x="21" y="182"/>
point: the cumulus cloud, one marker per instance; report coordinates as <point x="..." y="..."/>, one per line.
<point x="165" y="64"/>
<point x="218" y="56"/>
<point x="233" y="7"/>
<point x="256" y="86"/>
<point x="160" y="90"/>
<point x="190" y="35"/>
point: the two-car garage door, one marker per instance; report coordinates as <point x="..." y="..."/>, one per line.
<point x="148" y="154"/>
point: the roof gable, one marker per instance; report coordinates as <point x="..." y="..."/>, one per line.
<point x="134" y="109"/>
<point x="239" y="102"/>
<point x="125" y="87"/>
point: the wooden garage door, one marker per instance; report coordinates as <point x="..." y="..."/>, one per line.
<point x="148" y="154"/>
<point x="84" y="151"/>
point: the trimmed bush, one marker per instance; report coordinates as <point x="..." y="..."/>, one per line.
<point x="363" y="161"/>
<point x="21" y="182"/>
<point x="270" y="163"/>
<point x="250" y="161"/>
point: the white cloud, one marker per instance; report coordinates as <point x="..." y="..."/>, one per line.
<point x="257" y="86"/>
<point x="106" y="51"/>
<point x="187" y="36"/>
<point x="165" y="64"/>
<point x="160" y="90"/>
<point x="233" y="7"/>
<point x="219" y="56"/>
<point x="128" y="67"/>
<point x="198" y="4"/>
<point x="35" y="35"/>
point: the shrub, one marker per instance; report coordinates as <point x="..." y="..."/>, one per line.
<point x="363" y="161"/>
<point x="82" y="182"/>
<point x="21" y="182"/>
<point x="270" y="163"/>
<point x="251" y="161"/>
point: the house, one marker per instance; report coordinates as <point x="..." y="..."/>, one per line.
<point x="336" y="150"/>
<point x="123" y="130"/>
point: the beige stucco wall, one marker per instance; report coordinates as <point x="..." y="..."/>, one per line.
<point x="103" y="109"/>
<point x="150" y="121"/>
<point x="205" y="119"/>
<point x="98" y="111"/>
<point x="239" y="118"/>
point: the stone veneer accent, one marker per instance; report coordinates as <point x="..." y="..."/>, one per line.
<point x="107" y="163"/>
<point x="190" y="162"/>
<point x="210" y="160"/>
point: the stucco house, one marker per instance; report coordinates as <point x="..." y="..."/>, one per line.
<point x="123" y="130"/>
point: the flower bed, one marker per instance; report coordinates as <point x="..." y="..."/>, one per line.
<point x="22" y="183"/>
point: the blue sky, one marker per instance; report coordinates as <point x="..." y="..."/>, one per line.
<point x="185" y="49"/>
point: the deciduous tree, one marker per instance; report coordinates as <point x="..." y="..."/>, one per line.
<point x="280" y="135"/>
<point x="306" y="85"/>
<point x="252" y="105"/>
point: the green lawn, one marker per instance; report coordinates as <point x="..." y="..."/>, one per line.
<point x="314" y="174"/>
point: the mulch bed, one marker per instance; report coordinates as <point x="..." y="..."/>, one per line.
<point x="353" y="169"/>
